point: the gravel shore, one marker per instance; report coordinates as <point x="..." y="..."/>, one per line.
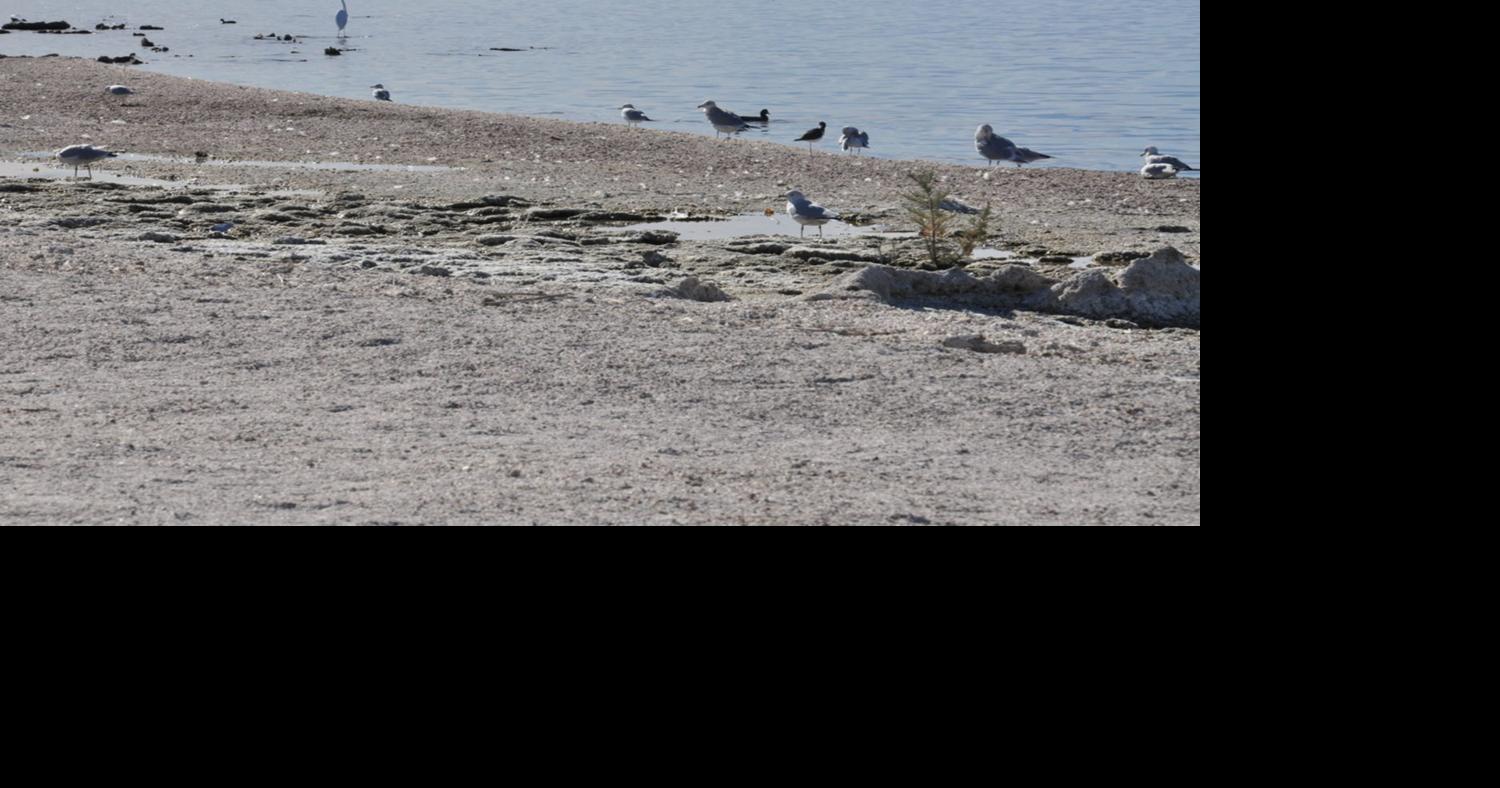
<point x="487" y="339"/>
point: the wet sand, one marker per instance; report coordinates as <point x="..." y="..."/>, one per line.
<point x="488" y="344"/>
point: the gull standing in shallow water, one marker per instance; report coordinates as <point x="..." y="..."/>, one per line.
<point x="632" y="115"/>
<point x="379" y="92"/>
<point x="82" y="156"/>
<point x="854" y="139"/>
<point x="722" y="120"/>
<point x="1152" y="157"/>
<point x="997" y="148"/>
<point x="804" y="212"/>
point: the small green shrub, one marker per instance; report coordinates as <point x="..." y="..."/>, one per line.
<point x="935" y="225"/>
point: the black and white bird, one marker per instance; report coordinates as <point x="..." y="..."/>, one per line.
<point x="379" y="92"/>
<point x="763" y="118"/>
<point x="723" y="121"/>
<point x="632" y="115"/>
<point x="806" y="212"/>
<point x="813" y="135"/>
<point x="119" y="90"/>
<point x="82" y="156"/>
<point x="854" y="139"/>
<point x="997" y="148"/>
<point x="1153" y="157"/>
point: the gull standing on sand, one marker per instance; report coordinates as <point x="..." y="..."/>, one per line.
<point x="119" y="90"/>
<point x="632" y="115"/>
<point x="342" y="17"/>
<point x="1152" y="157"/>
<point x="82" y="155"/>
<point x="997" y="148"/>
<point x="813" y="135"/>
<point x="722" y="120"/>
<point x="379" y="92"/>
<point x="806" y="212"/>
<point x="854" y="139"/>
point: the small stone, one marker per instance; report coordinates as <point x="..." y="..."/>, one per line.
<point x="978" y="344"/>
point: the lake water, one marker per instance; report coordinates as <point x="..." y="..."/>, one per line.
<point x="1091" y="82"/>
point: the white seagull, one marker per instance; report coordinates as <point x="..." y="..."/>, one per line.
<point x="1158" y="170"/>
<point x="723" y="120"/>
<point x="379" y="92"/>
<point x="806" y="212"/>
<point x="82" y="156"/>
<point x="632" y="115"/>
<point x="853" y="139"/>
<point x="119" y="90"/>
<point x="997" y="148"/>
<point x="342" y="17"/>
<point x="1152" y="157"/>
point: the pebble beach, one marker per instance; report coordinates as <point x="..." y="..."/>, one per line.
<point x="431" y="316"/>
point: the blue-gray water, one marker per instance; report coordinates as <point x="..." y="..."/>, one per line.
<point x="1091" y="82"/>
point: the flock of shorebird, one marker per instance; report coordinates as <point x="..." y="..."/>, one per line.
<point x="803" y="211"/>
<point x="990" y="145"/>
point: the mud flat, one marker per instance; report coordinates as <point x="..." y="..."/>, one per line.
<point x="476" y="321"/>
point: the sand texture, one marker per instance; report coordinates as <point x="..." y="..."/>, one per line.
<point x="487" y="341"/>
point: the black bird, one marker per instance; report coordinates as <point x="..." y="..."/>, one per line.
<point x="763" y="117"/>
<point x="813" y="135"/>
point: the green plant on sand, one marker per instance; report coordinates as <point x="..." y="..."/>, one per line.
<point x="924" y="206"/>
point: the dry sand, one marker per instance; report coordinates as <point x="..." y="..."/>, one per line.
<point x="428" y="357"/>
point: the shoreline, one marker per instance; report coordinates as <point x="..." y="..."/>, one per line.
<point x="486" y="344"/>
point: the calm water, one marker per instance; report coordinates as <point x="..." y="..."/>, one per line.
<point x="1091" y="82"/>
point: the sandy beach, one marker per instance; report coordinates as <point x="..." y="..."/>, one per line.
<point x="493" y="339"/>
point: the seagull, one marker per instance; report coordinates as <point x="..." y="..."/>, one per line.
<point x="342" y="17"/>
<point x="379" y="92"/>
<point x="1158" y="170"/>
<point x="853" y="138"/>
<point x="763" y="117"/>
<point x="997" y="148"/>
<point x="813" y="135"/>
<point x="119" y="90"/>
<point x="722" y="120"/>
<point x="1152" y="157"/>
<point x="632" y="115"/>
<point x="82" y="155"/>
<point x="804" y="212"/>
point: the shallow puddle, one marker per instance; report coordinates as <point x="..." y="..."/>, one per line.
<point x="17" y="169"/>
<point x="347" y="166"/>
<point x="706" y="229"/>
<point x="986" y="253"/>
